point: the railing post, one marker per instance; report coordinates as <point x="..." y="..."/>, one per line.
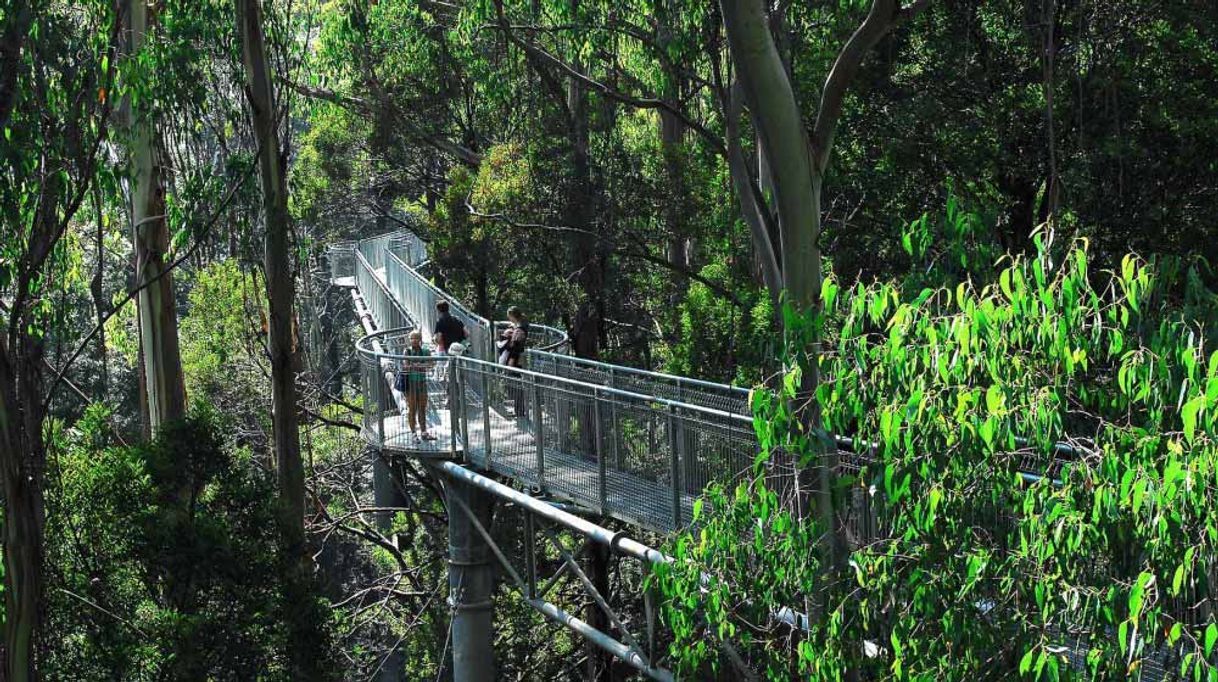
<point x="454" y="421"/>
<point x="674" y="466"/>
<point x="530" y="558"/>
<point x="380" y="401"/>
<point x="486" y="418"/>
<point x="619" y="458"/>
<point x="459" y="373"/>
<point x="598" y="444"/>
<point x="538" y="434"/>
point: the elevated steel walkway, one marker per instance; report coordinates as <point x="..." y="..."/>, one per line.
<point x="625" y="443"/>
<point x="614" y="441"/>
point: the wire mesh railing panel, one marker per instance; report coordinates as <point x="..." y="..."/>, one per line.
<point x="375" y="248"/>
<point x="419" y="297"/>
<point x="569" y="434"/>
<point x="473" y="413"/>
<point x="722" y="397"/>
<point x="341" y="258"/>
<point x="621" y="454"/>
<point x="408" y="247"/>
<point x="386" y="311"/>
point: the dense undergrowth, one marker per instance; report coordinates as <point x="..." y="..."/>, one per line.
<point x="987" y="552"/>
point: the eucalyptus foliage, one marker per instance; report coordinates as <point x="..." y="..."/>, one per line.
<point x="1031" y="491"/>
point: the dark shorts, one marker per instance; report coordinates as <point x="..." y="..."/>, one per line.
<point x="416" y="387"/>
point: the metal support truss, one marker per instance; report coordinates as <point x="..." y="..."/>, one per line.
<point x="628" y="651"/>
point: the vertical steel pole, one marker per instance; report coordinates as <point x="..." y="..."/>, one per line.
<point x="674" y="467"/>
<point x="598" y="441"/>
<point x="379" y="381"/>
<point x="460" y="374"/>
<point x="486" y="418"/>
<point x="470" y="583"/>
<point x="530" y="549"/>
<point x="454" y="419"/>
<point x="539" y="434"/>
<point x="619" y="457"/>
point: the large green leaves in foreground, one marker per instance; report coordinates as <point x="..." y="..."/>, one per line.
<point x="980" y="556"/>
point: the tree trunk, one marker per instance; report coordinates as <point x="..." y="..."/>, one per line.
<point x="586" y="251"/>
<point x="23" y="462"/>
<point x="796" y="187"/>
<point x="600" y="664"/>
<point x="280" y="292"/>
<point x="158" y="323"/>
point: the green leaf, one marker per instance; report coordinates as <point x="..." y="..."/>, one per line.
<point x="1025" y="663"/>
<point x="994" y="399"/>
<point x="1211" y="636"/>
<point x="1189" y="414"/>
<point x="987" y="431"/>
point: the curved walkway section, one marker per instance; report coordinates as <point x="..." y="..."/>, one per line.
<point x="625" y="443"/>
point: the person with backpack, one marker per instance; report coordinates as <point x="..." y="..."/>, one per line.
<point x="511" y="346"/>
<point x="514" y="340"/>
<point x="448" y="329"/>
<point x="412" y="383"/>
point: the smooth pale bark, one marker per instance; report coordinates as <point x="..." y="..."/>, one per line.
<point x="780" y="130"/>
<point x="794" y="167"/>
<point x="796" y="196"/>
<point x="164" y="385"/>
<point x="751" y="203"/>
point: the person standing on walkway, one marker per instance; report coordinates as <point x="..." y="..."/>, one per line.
<point x="416" y="387"/>
<point x="511" y="345"/>
<point x="448" y="329"/>
<point x="514" y="340"/>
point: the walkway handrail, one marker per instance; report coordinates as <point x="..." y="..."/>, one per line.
<point x="542" y="337"/>
<point x="734" y="399"/>
<point x="388" y="312"/>
<point x="421" y="297"/>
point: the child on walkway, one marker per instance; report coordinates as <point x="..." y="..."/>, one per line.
<point x="416" y="387"/>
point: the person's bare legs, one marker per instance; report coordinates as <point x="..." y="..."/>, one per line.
<point x="423" y="415"/>
<point x="412" y="409"/>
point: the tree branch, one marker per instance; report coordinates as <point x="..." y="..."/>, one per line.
<point x="215" y="216"/>
<point x="544" y="57"/>
<point x="882" y="18"/>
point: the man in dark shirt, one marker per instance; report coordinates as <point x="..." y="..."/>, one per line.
<point x="449" y="330"/>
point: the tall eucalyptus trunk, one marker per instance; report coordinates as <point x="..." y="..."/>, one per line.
<point x="795" y="161"/>
<point x="305" y="634"/>
<point x="23" y="468"/>
<point x="587" y="252"/>
<point x="280" y="285"/>
<point x="164" y="386"/>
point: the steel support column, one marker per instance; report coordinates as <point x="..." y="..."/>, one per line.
<point x="470" y="582"/>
